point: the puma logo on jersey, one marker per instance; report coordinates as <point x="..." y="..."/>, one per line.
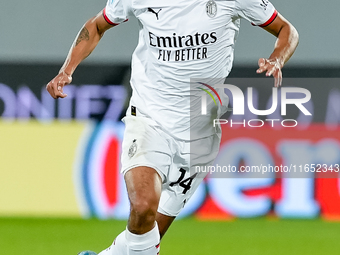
<point x="153" y="11"/>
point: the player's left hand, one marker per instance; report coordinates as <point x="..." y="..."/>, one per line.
<point x="273" y="68"/>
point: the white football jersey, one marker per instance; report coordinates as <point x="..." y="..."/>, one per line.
<point x="180" y="40"/>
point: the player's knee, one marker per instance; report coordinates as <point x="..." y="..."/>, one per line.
<point x="144" y="210"/>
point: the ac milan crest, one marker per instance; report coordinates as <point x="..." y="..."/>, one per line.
<point x="132" y="149"/>
<point x="211" y="8"/>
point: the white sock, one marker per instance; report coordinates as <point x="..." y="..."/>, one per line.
<point x="145" y="244"/>
<point x="119" y="246"/>
<point x="128" y="243"/>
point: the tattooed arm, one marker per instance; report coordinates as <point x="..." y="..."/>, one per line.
<point x="85" y="42"/>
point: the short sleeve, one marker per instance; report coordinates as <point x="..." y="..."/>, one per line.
<point x="115" y="11"/>
<point x="258" y="12"/>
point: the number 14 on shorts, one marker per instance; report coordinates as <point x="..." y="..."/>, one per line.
<point x="184" y="183"/>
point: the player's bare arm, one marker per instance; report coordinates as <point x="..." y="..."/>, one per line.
<point x="286" y="43"/>
<point x="85" y="42"/>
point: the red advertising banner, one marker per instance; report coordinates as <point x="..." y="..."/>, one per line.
<point x="314" y="151"/>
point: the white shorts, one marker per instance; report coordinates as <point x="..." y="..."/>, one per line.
<point x="146" y="144"/>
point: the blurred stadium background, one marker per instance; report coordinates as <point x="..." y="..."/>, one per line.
<point x="60" y="191"/>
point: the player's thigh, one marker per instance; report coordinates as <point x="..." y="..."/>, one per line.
<point x="144" y="186"/>
<point x="146" y="158"/>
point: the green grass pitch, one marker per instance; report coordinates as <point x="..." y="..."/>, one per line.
<point x="35" y="236"/>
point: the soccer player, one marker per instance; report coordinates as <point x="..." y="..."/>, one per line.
<point x="178" y="40"/>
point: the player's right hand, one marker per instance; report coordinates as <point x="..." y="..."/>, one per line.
<point x="272" y="67"/>
<point x="55" y="87"/>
